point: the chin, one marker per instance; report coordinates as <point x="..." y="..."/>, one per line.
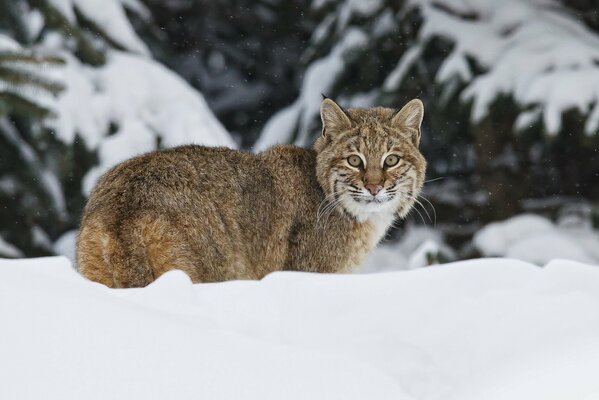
<point x="364" y="210"/>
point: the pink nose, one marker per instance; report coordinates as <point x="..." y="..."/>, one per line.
<point x="373" y="189"/>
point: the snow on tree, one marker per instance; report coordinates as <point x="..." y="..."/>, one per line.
<point x="241" y="54"/>
<point x="349" y="32"/>
<point x="534" y="51"/>
<point x="109" y="18"/>
<point x="319" y="78"/>
<point x="508" y="87"/>
<point x="107" y="101"/>
<point x="20" y="81"/>
<point x="128" y="106"/>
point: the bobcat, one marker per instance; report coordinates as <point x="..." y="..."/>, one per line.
<point x="221" y="214"/>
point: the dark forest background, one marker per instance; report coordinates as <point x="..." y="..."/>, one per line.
<point x="255" y="61"/>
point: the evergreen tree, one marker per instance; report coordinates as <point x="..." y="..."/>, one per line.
<point x="28" y="189"/>
<point x="241" y="54"/>
<point x="481" y="128"/>
<point x="263" y="66"/>
<point x="60" y="61"/>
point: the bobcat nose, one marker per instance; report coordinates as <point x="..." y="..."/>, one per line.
<point x="373" y="189"/>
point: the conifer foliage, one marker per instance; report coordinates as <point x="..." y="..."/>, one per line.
<point x="510" y="91"/>
<point x="79" y="92"/>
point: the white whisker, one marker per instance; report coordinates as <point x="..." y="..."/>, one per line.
<point x="432" y="206"/>
<point x="435" y="179"/>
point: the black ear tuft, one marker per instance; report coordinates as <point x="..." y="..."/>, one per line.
<point x="324" y="96"/>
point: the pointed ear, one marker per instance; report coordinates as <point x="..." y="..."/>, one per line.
<point x="410" y="116"/>
<point x="333" y="117"/>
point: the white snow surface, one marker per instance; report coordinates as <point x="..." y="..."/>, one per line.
<point x="486" y="329"/>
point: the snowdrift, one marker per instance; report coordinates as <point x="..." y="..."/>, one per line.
<point x="483" y="329"/>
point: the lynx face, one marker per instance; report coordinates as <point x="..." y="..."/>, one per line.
<point x="368" y="159"/>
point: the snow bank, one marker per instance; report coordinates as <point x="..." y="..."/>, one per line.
<point x="537" y="240"/>
<point x="492" y="329"/>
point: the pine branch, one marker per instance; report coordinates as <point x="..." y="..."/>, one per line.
<point x="86" y="51"/>
<point x="30" y="58"/>
<point x="16" y="78"/>
<point x="20" y="73"/>
<point x="13" y="103"/>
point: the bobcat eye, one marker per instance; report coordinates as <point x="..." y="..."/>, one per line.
<point x="391" y="160"/>
<point x="354" y="160"/>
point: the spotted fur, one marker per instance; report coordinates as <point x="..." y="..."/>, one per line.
<point x="220" y="214"/>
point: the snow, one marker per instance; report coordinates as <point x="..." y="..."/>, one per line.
<point x="419" y="247"/>
<point x="66" y="245"/>
<point x="48" y="180"/>
<point x="40" y="238"/>
<point x="279" y="129"/>
<point x="493" y="329"/>
<point x="323" y="29"/>
<point x="28" y="91"/>
<point x="385" y="24"/>
<point x="385" y="258"/>
<point x="8" y="44"/>
<point x="527" y="237"/>
<point x="133" y="138"/>
<point x="396" y="76"/>
<point x="537" y="240"/>
<point x="534" y="51"/>
<point x="424" y="254"/>
<point x="318" y="4"/>
<point x="318" y="79"/>
<point x="142" y="98"/>
<point x="361" y="8"/>
<point x="9" y="250"/>
<point x="110" y="17"/>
